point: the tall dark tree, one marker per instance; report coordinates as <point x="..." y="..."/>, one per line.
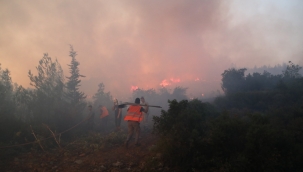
<point x="50" y="78"/>
<point x="9" y="124"/>
<point x="48" y="95"/>
<point x="6" y="92"/>
<point x="23" y="98"/>
<point x="75" y="96"/>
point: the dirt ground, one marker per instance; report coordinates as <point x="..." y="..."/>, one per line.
<point x="72" y="158"/>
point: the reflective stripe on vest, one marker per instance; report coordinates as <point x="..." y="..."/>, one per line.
<point x="133" y="114"/>
<point x="104" y="112"/>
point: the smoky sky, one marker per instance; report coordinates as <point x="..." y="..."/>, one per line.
<point x="144" y="44"/>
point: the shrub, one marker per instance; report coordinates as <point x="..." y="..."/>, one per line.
<point x="182" y="132"/>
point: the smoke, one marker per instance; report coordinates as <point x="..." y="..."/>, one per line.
<point x="143" y="43"/>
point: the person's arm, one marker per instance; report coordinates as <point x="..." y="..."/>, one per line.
<point x="115" y="106"/>
<point x="143" y="110"/>
<point x="146" y="107"/>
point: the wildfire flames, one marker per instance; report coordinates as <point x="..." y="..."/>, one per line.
<point x="133" y="88"/>
<point x="166" y="82"/>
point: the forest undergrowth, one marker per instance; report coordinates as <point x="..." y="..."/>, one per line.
<point x="93" y="151"/>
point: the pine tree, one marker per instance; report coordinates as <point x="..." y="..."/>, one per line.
<point x="6" y="92"/>
<point x="47" y="97"/>
<point x="73" y="83"/>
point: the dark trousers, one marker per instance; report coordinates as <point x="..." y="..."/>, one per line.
<point x="133" y="126"/>
<point x="118" y="120"/>
<point x="104" y="124"/>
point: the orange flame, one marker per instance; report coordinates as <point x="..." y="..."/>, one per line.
<point x="167" y="82"/>
<point x="133" y="88"/>
<point x="164" y="83"/>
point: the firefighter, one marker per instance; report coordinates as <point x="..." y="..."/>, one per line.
<point x="133" y="118"/>
<point x="103" y="116"/>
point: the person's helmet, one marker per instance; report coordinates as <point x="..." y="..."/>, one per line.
<point x="137" y="101"/>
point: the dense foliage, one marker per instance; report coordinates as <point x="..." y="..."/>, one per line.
<point x="256" y="126"/>
<point x="260" y="92"/>
<point x="193" y="136"/>
<point x="49" y="103"/>
<point x="182" y="130"/>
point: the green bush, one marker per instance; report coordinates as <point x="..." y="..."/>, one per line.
<point x="182" y="131"/>
<point x="194" y="137"/>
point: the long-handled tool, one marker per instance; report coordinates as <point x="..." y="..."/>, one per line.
<point x="123" y="105"/>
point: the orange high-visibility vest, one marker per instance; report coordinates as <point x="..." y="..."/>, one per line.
<point x="104" y="112"/>
<point x="133" y="114"/>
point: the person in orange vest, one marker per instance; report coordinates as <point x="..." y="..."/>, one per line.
<point x="103" y="116"/>
<point x="133" y="118"/>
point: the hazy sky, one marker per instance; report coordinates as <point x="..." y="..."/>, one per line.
<point x="133" y="43"/>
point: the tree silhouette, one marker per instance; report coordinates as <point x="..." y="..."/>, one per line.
<point x="48" y="94"/>
<point x="292" y="71"/>
<point x="6" y="93"/>
<point x="75" y="96"/>
<point x="102" y="98"/>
